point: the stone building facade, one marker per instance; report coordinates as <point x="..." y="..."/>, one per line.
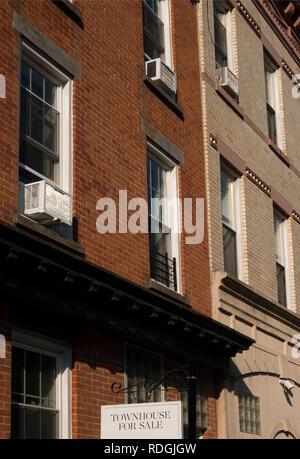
<point x="249" y="55"/>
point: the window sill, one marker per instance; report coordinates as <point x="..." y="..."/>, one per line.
<point x="278" y="152"/>
<point x="47" y="234"/>
<point x="154" y="285"/>
<point x="70" y="9"/>
<point x="164" y="96"/>
<point x="230" y="101"/>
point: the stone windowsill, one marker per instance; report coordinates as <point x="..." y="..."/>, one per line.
<point x="163" y="95"/>
<point x="163" y="290"/>
<point x="47" y="234"/>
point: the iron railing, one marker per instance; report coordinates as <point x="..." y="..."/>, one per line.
<point x="163" y="269"/>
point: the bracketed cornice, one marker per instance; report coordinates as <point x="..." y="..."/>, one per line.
<point x="284" y="18"/>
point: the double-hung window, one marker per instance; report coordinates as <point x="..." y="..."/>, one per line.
<point x="282" y="258"/>
<point x="144" y="372"/>
<point x="40" y="389"/>
<point x="223" y="35"/>
<point x="231" y="221"/>
<point x="157" y="31"/>
<point x="163" y="218"/>
<point x="271" y="72"/>
<point x="45" y="121"/>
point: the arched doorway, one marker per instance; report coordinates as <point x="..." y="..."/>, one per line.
<point x="283" y="435"/>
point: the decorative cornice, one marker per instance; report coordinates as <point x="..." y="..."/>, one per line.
<point x="287" y="69"/>
<point x="288" y="34"/>
<point x="214" y="142"/>
<point x="87" y="294"/>
<point x="258" y="181"/>
<point x="240" y="112"/>
<point x="237" y="163"/>
<point x="245" y="13"/>
<point x="296" y="216"/>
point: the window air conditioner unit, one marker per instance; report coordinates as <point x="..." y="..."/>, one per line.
<point x="160" y="72"/>
<point x="228" y="81"/>
<point x="45" y="203"/>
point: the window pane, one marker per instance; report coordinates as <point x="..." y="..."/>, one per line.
<point x="17" y="371"/>
<point x="49" y="420"/>
<point x="37" y="83"/>
<point x="278" y="236"/>
<point x="50" y="92"/>
<point x="227" y="204"/>
<point x="143" y="367"/>
<point x="17" y="422"/>
<point x="37" y="160"/>
<point x="25" y="75"/>
<point x="152" y="4"/>
<point x="229" y="246"/>
<point x="50" y="128"/>
<point x="25" y="112"/>
<point x="220" y="43"/>
<point x="32" y="369"/>
<point x="272" y="123"/>
<point x="281" y="285"/>
<point x="48" y="381"/>
<point x="37" y="115"/>
<point x="153" y="31"/>
<point x="32" y="423"/>
<point x="249" y="414"/>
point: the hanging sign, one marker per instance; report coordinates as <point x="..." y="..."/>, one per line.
<point x="160" y="420"/>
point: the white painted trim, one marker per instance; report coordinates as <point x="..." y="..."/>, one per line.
<point x="63" y="355"/>
<point x="164" y="11"/>
<point x="286" y="256"/>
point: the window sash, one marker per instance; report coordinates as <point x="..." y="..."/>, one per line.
<point x="34" y="422"/>
<point x="220" y="43"/>
<point x="142" y="367"/>
<point x="227" y="192"/>
<point x="32" y="396"/>
<point x="281" y="284"/>
<point x="153" y="33"/>
<point x="230" y="251"/>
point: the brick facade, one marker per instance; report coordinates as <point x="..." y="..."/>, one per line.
<point x="241" y="133"/>
<point x="110" y="101"/>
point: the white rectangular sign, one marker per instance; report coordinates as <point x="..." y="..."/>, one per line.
<point x="160" y="420"/>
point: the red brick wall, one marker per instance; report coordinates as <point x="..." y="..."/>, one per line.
<point x="109" y="101"/>
<point x="5" y="378"/>
<point x="109" y="154"/>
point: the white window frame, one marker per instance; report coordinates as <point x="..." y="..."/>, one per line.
<point x="164" y="14"/>
<point x="64" y="100"/>
<point x="164" y="10"/>
<point x="173" y="212"/>
<point x="275" y="100"/>
<point x="63" y="355"/>
<point x="284" y="246"/>
<point x="236" y="216"/>
<point x="126" y="345"/>
<point x="228" y="26"/>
